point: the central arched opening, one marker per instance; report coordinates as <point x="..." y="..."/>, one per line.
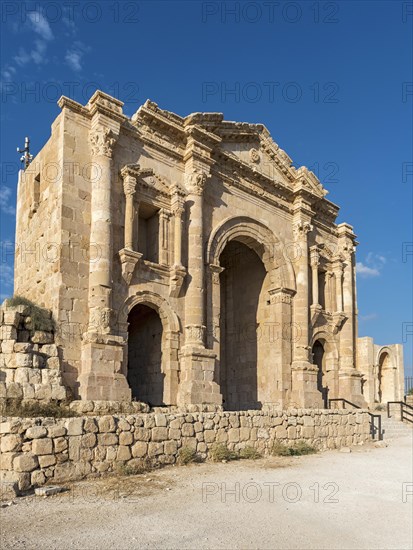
<point x="240" y="285"/>
<point x="145" y="376"/>
<point x="319" y="359"/>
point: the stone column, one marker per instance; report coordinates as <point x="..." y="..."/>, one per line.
<point x="315" y="261"/>
<point x="349" y="377"/>
<point x="197" y="363"/>
<point x="163" y="236"/>
<point x="101" y="376"/>
<point x="178" y="213"/>
<point x="129" y="188"/>
<point x="338" y="277"/>
<point x="304" y="373"/>
<point x="102" y="141"/>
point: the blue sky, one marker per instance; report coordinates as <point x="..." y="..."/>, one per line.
<point x="332" y="81"/>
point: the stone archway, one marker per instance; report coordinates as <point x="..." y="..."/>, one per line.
<point x="242" y="312"/>
<point x="274" y="352"/>
<point x="385" y="378"/>
<point x="325" y="357"/>
<point x="154" y="317"/>
<point x="144" y="369"/>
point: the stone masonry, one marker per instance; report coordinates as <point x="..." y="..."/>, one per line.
<point x="187" y="261"/>
<point x="35" y="451"/>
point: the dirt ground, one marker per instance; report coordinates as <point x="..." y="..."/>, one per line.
<point x="332" y="500"/>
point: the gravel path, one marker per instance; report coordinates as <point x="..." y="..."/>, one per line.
<point x="332" y="500"/>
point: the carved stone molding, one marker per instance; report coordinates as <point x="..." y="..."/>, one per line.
<point x="102" y="140"/>
<point x="316" y="311"/>
<point x="128" y="260"/>
<point x="195" y="182"/>
<point x="215" y="272"/>
<point x="195" y="334"/>
<point x="129" y="185"/>
<point x="176" y="279"/>
<point x="254" y="156"/>
<point x="281" y="295"/>
<point x="302" y="228"/>
<point x="338" y="320"/>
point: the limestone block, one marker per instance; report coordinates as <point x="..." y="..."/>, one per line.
<point x="160" y="420"/>
<point x="26" y="462"/>
<point x="47" y="460"/>
<point x="58" y="392"/>
<point x="53" y="363"/>
<point x="42" y="337"/>
<point x="9" y="443"/>
<point x="23" y="347"/>
<point x="233" y="435"/>
<point x="11" y="317"/>
<point x="14" y="391"/>
<point x="50" y="350"/>
<point x="107" y="439"/>
<point x="28" y="391"/>
<point x="6" y="460"/>
<point x="124" y="425"/>
<point x="23" y="481"/>
<point x="24" y="360"/>
<point x="125" y="438"/>
<point x="106" y="424"/>
<point x="187" y="430"/>
<point x="90" y="425"/>
<point x="155" y="448"/>
<point x="37" y="478"/>
<point x="123" y="453"/>
<point x="56" y="431"/>
<point x="88" y="440"/>
<point x="42" y="446"/>
<point x="74" y="426"/>
<point x="142" y="434"/>
<point x="60" y="444"/>
<point x="36" y="432"/>
<point x="10" y="426"/>
<point x="7" y="346"/>
<point x="139" y="449"/>
<point x="159" y="434"/>
<point x="190" y="442"/>
<point x="244" y="434"/>
<point x="174" y="433"/>
<point x="170" y="447"/>
<point x="8" y="332"/>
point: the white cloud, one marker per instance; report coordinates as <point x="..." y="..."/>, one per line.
<point x="372" y="266"/>
<point x="75" y="54"/>
<point x="366" y="271"/>
<point x="40" y="25"/>
<point x="5" y="196"/>
<point x="368" y="317"/>
<point x="37" y="55"/>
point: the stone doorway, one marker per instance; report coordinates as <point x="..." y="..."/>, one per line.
<point x="385" y="386"/>
<point x="319" y="359"/>
<point x="145" y="376"/>
<point x="241" y="311"/>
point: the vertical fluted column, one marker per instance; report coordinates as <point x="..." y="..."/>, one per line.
<point x="129" y="188"/>
<point x="347" y="333"/>
<point x="100" y="264"/>
<point x="315" y="260"/>
<point x="163" y="236"/>
<point x="178" y="214"/>
<point x="338" y="277"/>
<point x="194" y="300"/>
<point x="301" y="300"/>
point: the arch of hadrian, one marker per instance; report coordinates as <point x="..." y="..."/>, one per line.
<point x="186" y="261"/>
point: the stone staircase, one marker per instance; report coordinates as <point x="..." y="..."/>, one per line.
<point x="394" y="428"/>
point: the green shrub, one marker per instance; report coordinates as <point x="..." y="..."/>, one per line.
<point x="249" y="453"/>
<point x="40" y="317"/>
<point x="134" y="469"/>
<point x="187" y="455"/>
<point x="296" y="449"/>
<point x="14" y="407"/>
<point x="220" y="452"/>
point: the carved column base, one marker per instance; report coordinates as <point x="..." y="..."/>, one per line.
<point x="197" y="384"/>
<point x="305" y="394"/>
<point x="349" y="382"/>
<point x="101" y="377"/>
<point x="177" y="277"/>
<point x="128" y="260"/>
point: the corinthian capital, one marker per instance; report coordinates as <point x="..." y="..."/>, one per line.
<point x="195" y="181"/>
<point x="102" y="141"/>
<point x="302" y="228"/>
<point x="314" y="256"/>
<point x="129" y="185"/>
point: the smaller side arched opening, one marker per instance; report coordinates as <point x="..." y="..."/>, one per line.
<point x="385" y="379"/>
<point x="319" y="359"/>
<point x="145" y="374"/>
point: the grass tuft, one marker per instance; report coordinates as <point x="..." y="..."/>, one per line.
<point x="297" y="449"/>
<point x="249" y="453"/>
<point x="186" y="455"/>
<point x="31" y="410"/>
<point x="40" y="317"/>
<point x="220" y="452"/>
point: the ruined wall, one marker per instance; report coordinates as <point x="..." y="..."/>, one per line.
<point x="29" y="363"/>
<point x="35" y="451"/>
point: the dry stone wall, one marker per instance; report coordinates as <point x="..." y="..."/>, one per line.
<point x="35" y="451"/>
<point x="29" y="361"/>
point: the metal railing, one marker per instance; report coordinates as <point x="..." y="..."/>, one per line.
<point x="406" y="411"/>
<point x="408" y="384"/>
<point x="373" y="417"/>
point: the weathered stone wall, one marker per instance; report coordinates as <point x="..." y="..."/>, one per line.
<point x="37" y="450"/>
<point x="29" y="362"/>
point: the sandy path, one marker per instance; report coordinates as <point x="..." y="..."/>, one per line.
<point x="330" y="500"/>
